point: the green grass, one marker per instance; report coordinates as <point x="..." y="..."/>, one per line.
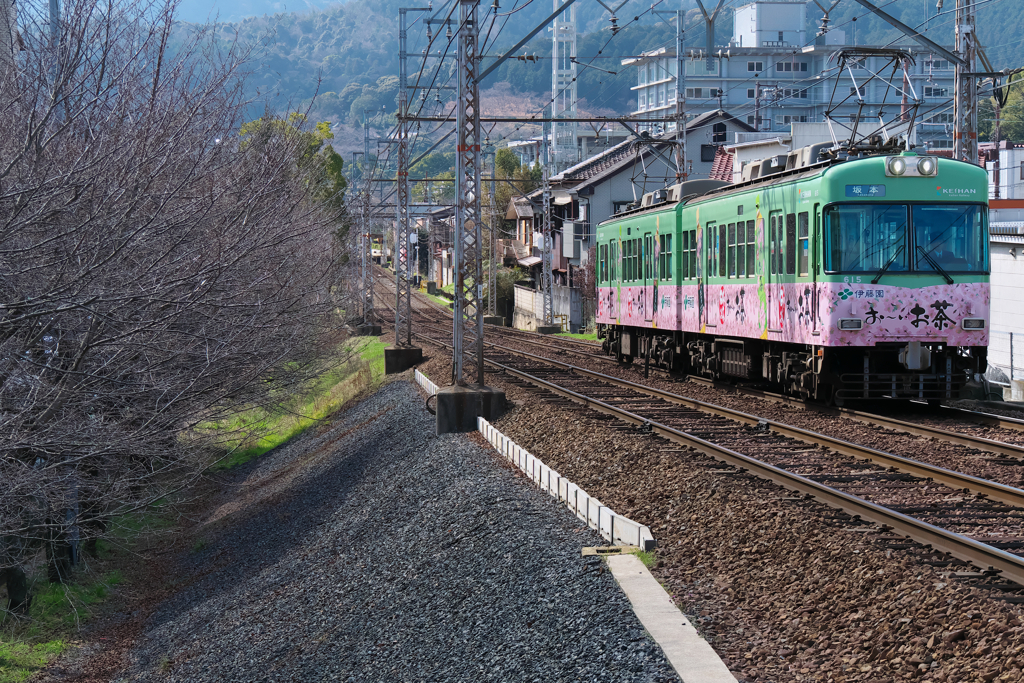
<point x="26" y="646"/>
<point x="588" y="336"/>
<point x="261" y="429"/>
<point x="648" y="558"/>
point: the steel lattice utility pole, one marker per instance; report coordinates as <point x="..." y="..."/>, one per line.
<point x="563" y="88"/>
<point x="403" y="283"/>
<point x="368" y="313"/>
<point x="680" y="99"/>
<point x="468" y="330"/>
<point x="546" y="242"/>
<point x="965" y="104"/>
<point x="492" y="272"/>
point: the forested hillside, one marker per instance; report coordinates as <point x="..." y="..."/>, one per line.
<point x="346" y="54"/>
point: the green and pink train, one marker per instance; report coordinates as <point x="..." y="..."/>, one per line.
<point x="837" y="279"/>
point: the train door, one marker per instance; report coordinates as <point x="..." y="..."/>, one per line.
<point x="648" y="277"/>
<point x="776" y="268"/>
<point x="712" y="246"/>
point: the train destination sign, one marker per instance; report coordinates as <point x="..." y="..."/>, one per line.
<point x="865" y="190"/>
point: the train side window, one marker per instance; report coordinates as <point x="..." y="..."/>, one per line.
<point x="649" y="273"/>
<point x="692" y="268"/>
<point x="711" y="248"/>
<point x="773" y="236"/>
<point x="636" y="260"/>
<point x="613" y="261"/>
<point x="602" y="275"/>
<point x="803" y="229"/>
<point x="665" y="257"/>
<point x="750" y="249"/>
<point x="790" y="243"/>
<point x="741" y="251"/>
<point x="637" y="263"/>
<point x="721" y="248"/>
<point x="732" y="250"/>
<point x="632" y="260"/>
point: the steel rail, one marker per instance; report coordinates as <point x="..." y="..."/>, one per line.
<point x="916" y="428"/>
<point x="967" y="549"/>
<point x="955" y="480"/>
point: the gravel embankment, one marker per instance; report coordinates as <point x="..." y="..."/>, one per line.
<point x="783" y="591"/>
<point x="376" y="551"/>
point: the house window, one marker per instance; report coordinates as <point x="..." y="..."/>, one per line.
<point x="751" y="93"/>
<point x="930" y="91"/>
<point x="707" y="152"/>
<point x="946" y="117"/>
<point x="750" y="120"/>
<point x="755" y="66"/>
<point x="1022" y="170"/>
<point x="643" y="101"/>
<point x="718" y="133"/>
<point x="695" y="92"/>
<point x="941" y="64"/>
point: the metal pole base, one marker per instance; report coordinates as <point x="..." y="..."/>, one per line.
<point x="459" y="407"/>
<point x="401" y="358"/>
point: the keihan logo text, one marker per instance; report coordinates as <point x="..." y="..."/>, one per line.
<point x="954" y="190"/>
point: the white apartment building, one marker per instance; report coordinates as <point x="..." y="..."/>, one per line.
<point x="774" y="73"/>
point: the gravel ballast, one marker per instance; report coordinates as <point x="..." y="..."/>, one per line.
<point x="783" y="591"/>
<point x="374" y="550"/>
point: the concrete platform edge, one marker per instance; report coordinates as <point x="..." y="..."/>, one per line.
<point x="690" y="655"/>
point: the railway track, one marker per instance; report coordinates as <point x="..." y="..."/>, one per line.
<point x="972" y="519"/>
<point x="1013" y="454"/>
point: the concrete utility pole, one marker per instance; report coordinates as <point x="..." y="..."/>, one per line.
<point x="403" y="355"/>
<point x="546" y="247"/>
<point x="563" y="88"/>
<point x="492" y="272"/>
<point x="965" y="105"/>
<point x="680" y="99"/>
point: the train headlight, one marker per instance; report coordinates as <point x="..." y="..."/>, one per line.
<point x="850" y="323"/>
<point x="927" y="166"/>
<point x="896" y="166"/>
<point x="973" y="323"/>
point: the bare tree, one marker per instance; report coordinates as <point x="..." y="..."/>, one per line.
<point x="157" y="270"/>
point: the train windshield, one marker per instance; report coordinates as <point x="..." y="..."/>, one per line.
<point x="865" y="238"/>
<point x="952" y="237"/>
<point x="890" y="238"/>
